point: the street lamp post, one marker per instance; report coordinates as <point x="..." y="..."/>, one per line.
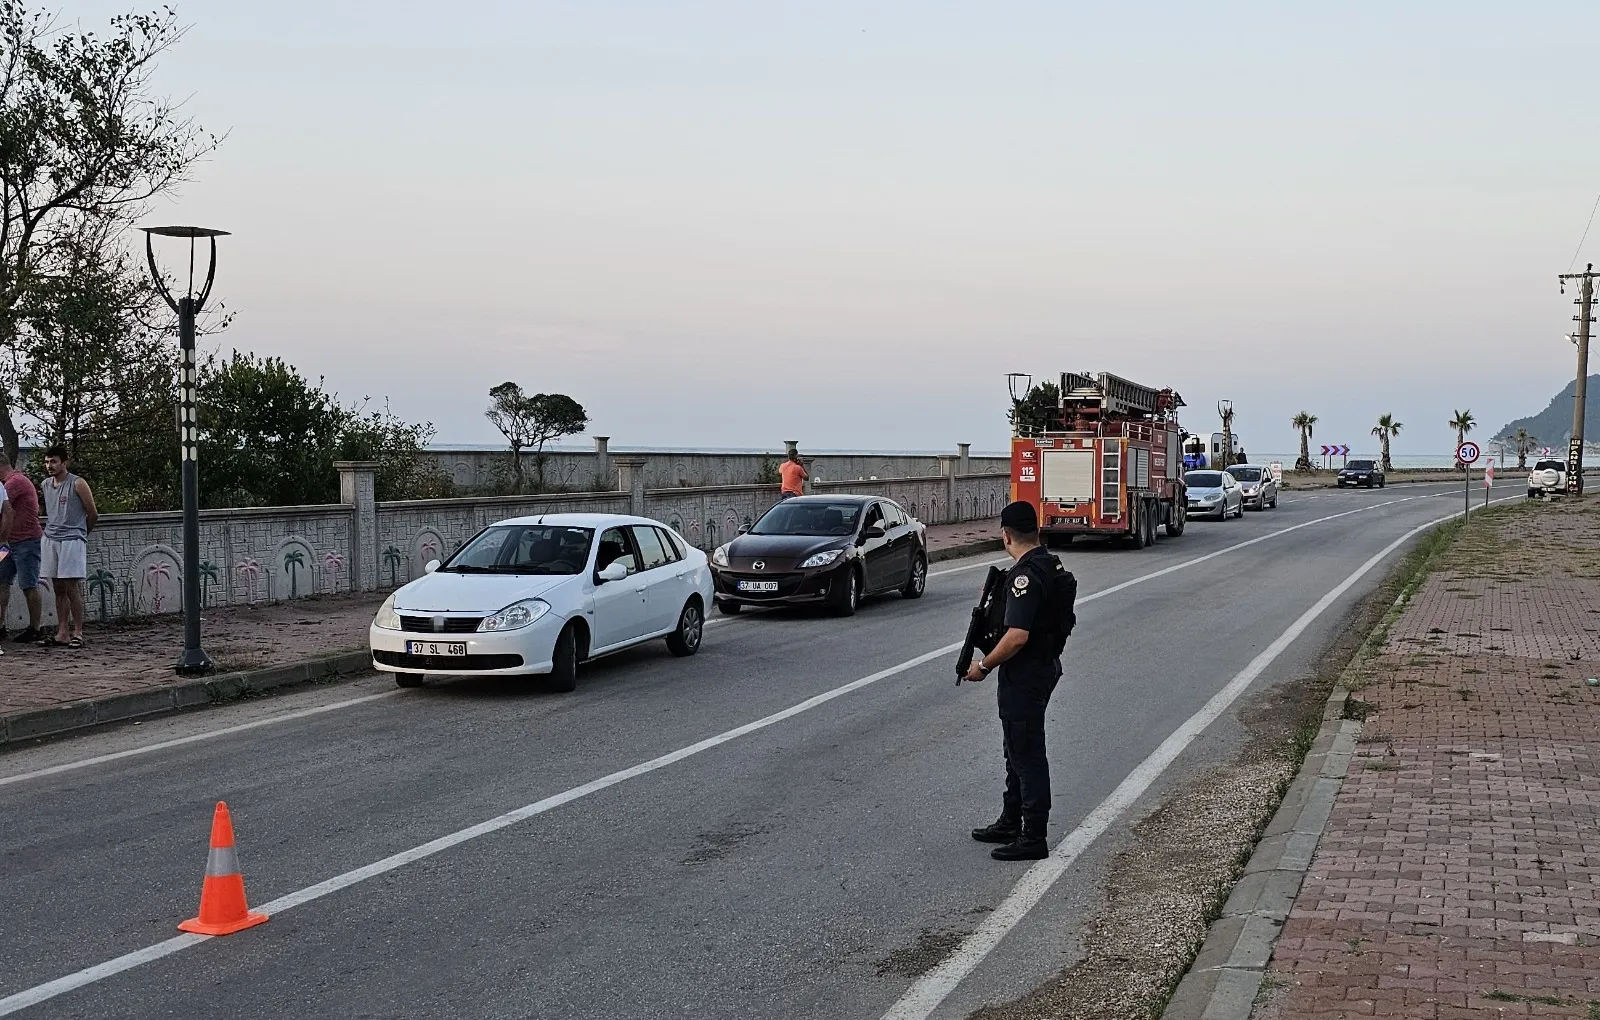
<point x="193" y="660"/>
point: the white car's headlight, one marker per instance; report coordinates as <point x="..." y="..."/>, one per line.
<point x="720" y="556"/>
<point x="514" y="617"/>
<point x="821" y="559"/>
<point x="387" y="618"/>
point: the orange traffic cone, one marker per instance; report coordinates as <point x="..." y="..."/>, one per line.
<point x="222" y="904"/>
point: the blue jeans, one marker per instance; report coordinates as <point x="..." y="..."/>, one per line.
<point x="22" y="566"/>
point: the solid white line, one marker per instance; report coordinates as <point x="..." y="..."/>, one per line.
<point x="335" y="706"/>
<point x="101" y="759"/>
<point x="31" y="996"/>
<point x="929" y="991"/>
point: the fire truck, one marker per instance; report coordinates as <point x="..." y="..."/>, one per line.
<point x="1109" y="462"/>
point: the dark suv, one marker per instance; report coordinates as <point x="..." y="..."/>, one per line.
<point x="1362" y="472"/>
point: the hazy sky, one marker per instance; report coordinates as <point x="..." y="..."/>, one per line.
<point x="735" y="223"/>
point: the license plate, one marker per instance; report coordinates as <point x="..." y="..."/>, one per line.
<point x="758" y="585"/>
<point x="446" y="648"/>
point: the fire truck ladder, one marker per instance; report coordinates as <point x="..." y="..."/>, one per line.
<point x="1113" y="394"/>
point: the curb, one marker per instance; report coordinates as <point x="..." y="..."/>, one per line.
<point x="956" y="552"/>
<point x="164" y="700"/>
<point x="1223" y="980"/>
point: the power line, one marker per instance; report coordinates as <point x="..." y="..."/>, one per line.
<point x="1585" y="236"/>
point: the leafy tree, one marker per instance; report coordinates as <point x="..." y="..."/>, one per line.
<point x="1038" y="409"/>
<point x="1386" y="429"/>
<point x="531" y="421"/>
<point x="1463" y="422"/>
<point x="85" y="144"/>
<point x="396" y="445"/>
<point x="1306" y="422"/>
<point x="269" y="437"/>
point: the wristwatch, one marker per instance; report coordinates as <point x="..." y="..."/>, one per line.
<point x="985" y="668"/>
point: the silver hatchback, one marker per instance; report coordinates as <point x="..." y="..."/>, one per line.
<point x="1259" y="487"/>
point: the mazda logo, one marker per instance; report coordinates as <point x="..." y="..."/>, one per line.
<point x="759" y="564"/>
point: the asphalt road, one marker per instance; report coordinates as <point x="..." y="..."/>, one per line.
<point x="811" y="867"/>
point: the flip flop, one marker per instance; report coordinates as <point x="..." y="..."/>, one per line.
<point x="49" y="642"/>
<point x="76" y="642"/>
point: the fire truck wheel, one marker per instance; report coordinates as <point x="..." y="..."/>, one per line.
<point x="1141" y="532"/>
<point x="1177" y="517"/>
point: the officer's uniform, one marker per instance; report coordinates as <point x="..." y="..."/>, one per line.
<point x="1027" y="680"/>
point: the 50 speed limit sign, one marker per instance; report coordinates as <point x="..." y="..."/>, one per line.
<point x="1467" y="453"/>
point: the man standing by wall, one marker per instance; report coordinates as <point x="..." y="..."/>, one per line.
<point x="794" y="476"/>
<point x="69" y="517"/>
<point x="21" y="567"/>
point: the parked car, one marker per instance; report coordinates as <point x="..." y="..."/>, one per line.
<point x="1365" y="473"/>
<point x="539" y="595"/>
<point x="1214" y="494"/>
<point x="1548" y="478"/>
<point x="823" y="550"/>
<point x="1257" y="485"/>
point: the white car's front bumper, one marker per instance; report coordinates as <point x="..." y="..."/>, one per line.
<point x="517" y="652"/>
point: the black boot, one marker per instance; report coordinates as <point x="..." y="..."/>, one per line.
<point x="1030" y="845"/>
<point x="1004" y="830"/>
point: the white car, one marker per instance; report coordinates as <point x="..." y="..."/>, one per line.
<point x="538" y="595"/>
<point x="1548" y="478"/>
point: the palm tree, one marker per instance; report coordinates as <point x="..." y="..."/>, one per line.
<point x="1463" y="422"/>
<point x="391" y="559"/>
<point x="1306" y="422"/>
<point x="102" y="583"/>
<point x="293" y="560"/>
<point x="1525" y="445"/>
<point x="208" y="577"/>
<point x="1386" y="428"/>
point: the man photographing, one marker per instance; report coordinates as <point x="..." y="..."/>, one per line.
<point x="1039" y="594"/>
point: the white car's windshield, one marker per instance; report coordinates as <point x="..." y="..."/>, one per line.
<point x="524" y="549"/>
<point x="1550" y="465"/>
<point x="795" y="518"/>
<point x="1203" y="479"/>
<point x="1245" y="474"/>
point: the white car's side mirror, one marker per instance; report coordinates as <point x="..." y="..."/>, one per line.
<point x="614" y="571"/>
<point x="430" y="566"/>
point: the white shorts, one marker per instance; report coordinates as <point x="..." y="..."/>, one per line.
<point x="64" y="560"/>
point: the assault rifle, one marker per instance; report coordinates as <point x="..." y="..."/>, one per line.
<point x="987" y="624"/>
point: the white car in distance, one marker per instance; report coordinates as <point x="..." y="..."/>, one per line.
<point x="538" y="595"/>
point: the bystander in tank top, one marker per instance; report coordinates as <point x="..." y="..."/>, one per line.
<point x="65" y="519"/>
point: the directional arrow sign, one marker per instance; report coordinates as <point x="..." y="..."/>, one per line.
<point x="1326" y="450"/>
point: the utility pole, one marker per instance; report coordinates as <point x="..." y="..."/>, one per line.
<point x="1580" y="390"/>
<point x="1225" y="410"/>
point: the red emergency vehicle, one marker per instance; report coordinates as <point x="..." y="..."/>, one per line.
<point x="1109" y="462"/>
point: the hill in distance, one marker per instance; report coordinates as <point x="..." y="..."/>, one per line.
<point x="1553" y="426"/>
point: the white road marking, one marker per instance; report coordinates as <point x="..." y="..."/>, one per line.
<point x="929" y="991"/>
<point x="350" y="703"/>
<point x="101" y="759"/>
<point x="1033" y="885"/>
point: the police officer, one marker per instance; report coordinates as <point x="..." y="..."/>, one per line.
<point x="1028" y="657"/>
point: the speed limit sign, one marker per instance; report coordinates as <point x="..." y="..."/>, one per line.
<point x="1467" y="453"/>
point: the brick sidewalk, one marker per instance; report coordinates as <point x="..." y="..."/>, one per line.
<point x="120" y="658"/>
<point x="1459" y="874"/>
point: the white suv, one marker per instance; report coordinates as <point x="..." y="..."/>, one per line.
<point x="1548" y="478"/>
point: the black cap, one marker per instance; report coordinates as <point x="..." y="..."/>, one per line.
<point x="1020" y="516"/>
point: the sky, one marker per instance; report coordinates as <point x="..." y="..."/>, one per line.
<point x="730" y="224"/>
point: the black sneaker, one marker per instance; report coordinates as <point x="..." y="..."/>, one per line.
<point x="26" y="636"/>
<point x="1004" y="830"/>
<point x="1028" y="846"/>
